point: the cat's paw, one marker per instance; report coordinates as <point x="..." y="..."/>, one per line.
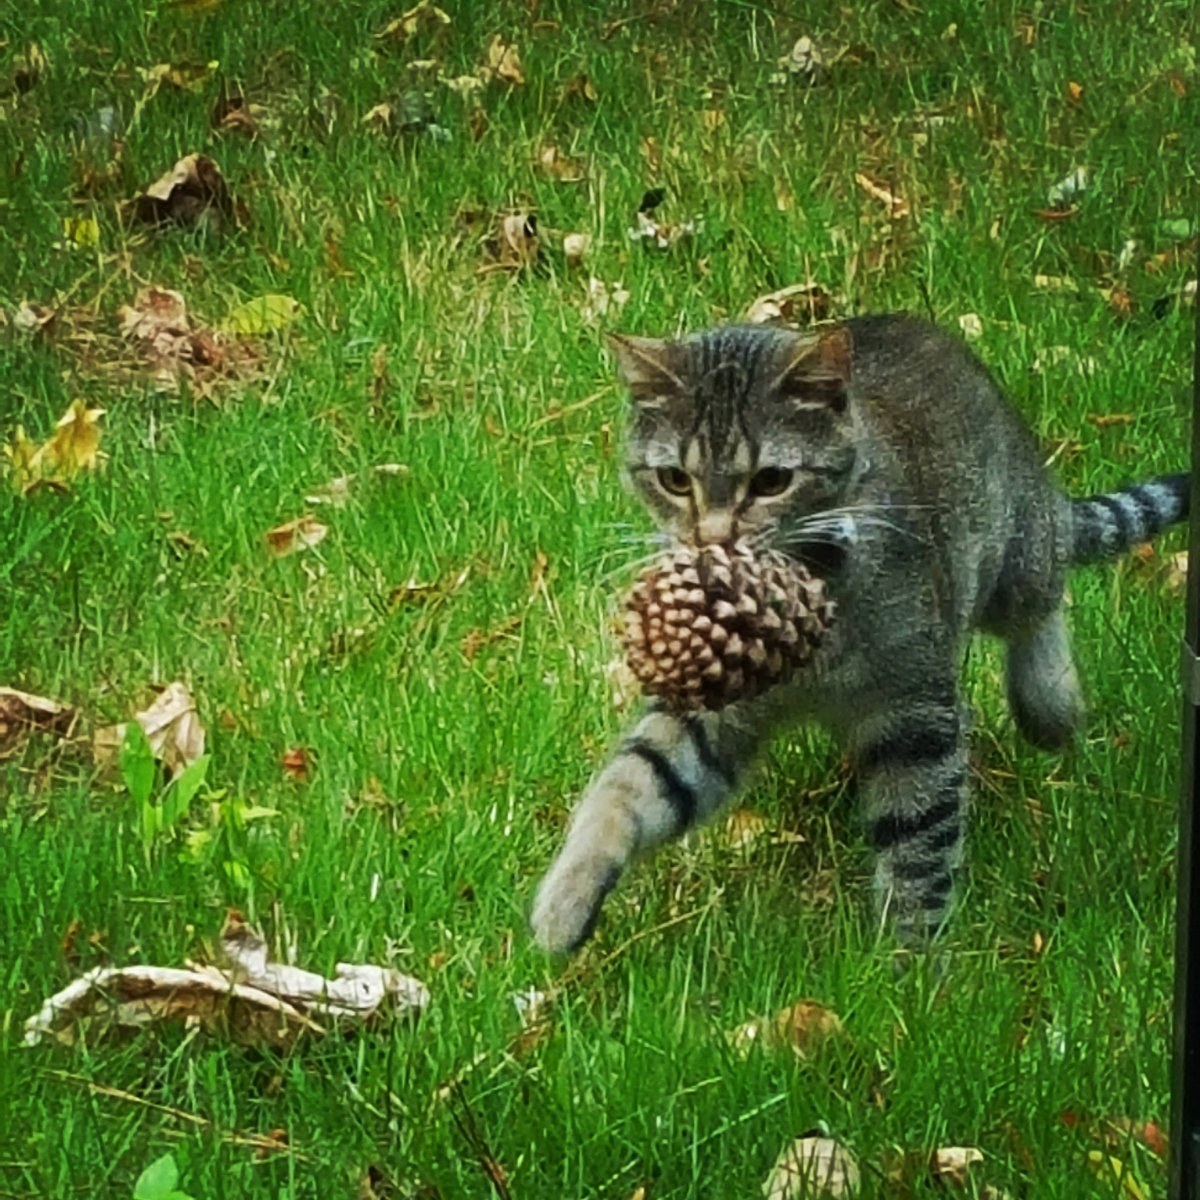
<point x="568" y="902"/>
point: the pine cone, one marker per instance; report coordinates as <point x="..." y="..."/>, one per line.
<point x="712" y="625"/>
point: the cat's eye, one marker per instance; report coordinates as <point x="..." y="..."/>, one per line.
<point x="674" y="481"/>
<point x="771" y="481"/>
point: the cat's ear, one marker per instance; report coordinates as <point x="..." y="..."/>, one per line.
<point x="818" y="372"/>
<point x="644" y="367"/>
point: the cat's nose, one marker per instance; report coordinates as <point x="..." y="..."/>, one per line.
<point x="717" y="526"/>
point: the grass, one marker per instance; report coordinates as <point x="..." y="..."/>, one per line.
<point x="442" y="778"/>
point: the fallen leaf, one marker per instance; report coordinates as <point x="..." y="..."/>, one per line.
<point x="951" y="1164"/>
<point x="804" y="59"/>
<point x="580" y="87"/>
<point x="263" y="314"/>
<point x="297" y="763"/>
<point x="34" y="318"/>
<point x="576" y="247"/>
<point x="559" y="166"/>
<point x="192" y="192"/>
<point x="82" y="232"/>
<point x="804" y="1028"/>
<point x="812" y="1167"/>
<point x="514" y="244"/>
<point x="292" y="536"/>
<point x="603" y="300"/>
<point x="1075" y="183"/>
<point x="414" y="593"/>
<point x="423" y="16"/>
<point x="22" y="714"/>
<point x="504" y="62"/>
<point x="1111" y="1170"/>
<point x="897" y="206"/>
<point x="797" y="304"/>
<point x="1108" y="420"/>
<point x="476" y="639"/>
<point x="171" y="725"/>
<point x="971" y="326"/>
<point x="662" y="235"/>
<point x="1074" y="91"/>
<point x="75" y="444"/>
<point x="379" y="117"/>
<point x="253" y="1000"/>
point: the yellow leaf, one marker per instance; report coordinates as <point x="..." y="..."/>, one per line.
<point x="24" y="460"/>
<point x="75" y="445"/>
<point x="504" y="61"/>
<point x="301" y="534"/>
<point x="1108" y="1166"/>
<point x="262" y="314"/>
<point x="186" y="77"/>
<point x="81" y="231"/>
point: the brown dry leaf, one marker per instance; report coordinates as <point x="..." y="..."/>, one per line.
<point x="1119" y="300"/>
<point x="293" y="536"/>
<point x="559" y="166"/>
<point x="253" y="1000"/>
<point x="162" y="334"/>
<point x="22" y="714"/>
<point x="171" y="725"/>
<point x="1108" y="420"/>
<point x="1074" y="91"/>
<point x="514" y="244"/>
<point x="414" y="593"/>
<point x="192" y="191"/>
<point x="952" y="1164"/>
<point x="235" y="114"/>
<point x="423" y="16"/>
<point x="580" y="87"/>
<point x="797" y="304"/>
<point x="812" y="1167"/>
<point x="379" y="118"/>
<point x="75" y="444"/>
<point x="897" y="206"/>
<point x="297" y="762"/>
<point x="503" y="62"/>
<point x="804" y="1028"/>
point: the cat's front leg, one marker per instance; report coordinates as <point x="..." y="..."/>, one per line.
<point x="912" y="765"/>
<point x="669" y="772"/>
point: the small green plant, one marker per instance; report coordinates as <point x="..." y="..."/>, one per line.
<point x="158" y="1180"/>
<point x="139" y="769"/>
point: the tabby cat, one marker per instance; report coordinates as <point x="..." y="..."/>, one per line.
<point x="883" y="450"/>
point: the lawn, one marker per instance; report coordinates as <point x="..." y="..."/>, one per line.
<point x="400" y="715"/>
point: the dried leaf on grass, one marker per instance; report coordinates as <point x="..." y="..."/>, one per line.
<point x="22" y="714"/>
<point x="171" y="725"/>
<point x="192" y="191"/>
<point x="804" y="1028"/>
<point x="514" y="242"/>
<point x="251" y="999"/>
<point x="293" y="536"/>
<point x="336" y="493"/>
<point x="812" y="1167"/>
<point x="503" y="62"/>
<point x="162" y="334"/>
<point x="297" y="762"/>
<point x="797" y="304"/>
<point x="183" y="77"/>
<point x="73" y="448"/>
<point x="603" y="300"/>
<point x="556" y="164"/>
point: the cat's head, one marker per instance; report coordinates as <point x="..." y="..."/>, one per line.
<point x="740" y="431"/>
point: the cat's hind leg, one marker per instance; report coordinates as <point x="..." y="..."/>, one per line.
<point x="669" y="772"/>
<point x="1043" y="687"/>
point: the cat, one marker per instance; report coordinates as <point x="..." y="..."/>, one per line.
<point x="882" y="449"/>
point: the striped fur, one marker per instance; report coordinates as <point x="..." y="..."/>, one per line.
<point x="915" y="482"/>
<point x="1113" y="522"/>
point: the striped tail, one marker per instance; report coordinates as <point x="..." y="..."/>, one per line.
<point x="1113" y="522"/>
